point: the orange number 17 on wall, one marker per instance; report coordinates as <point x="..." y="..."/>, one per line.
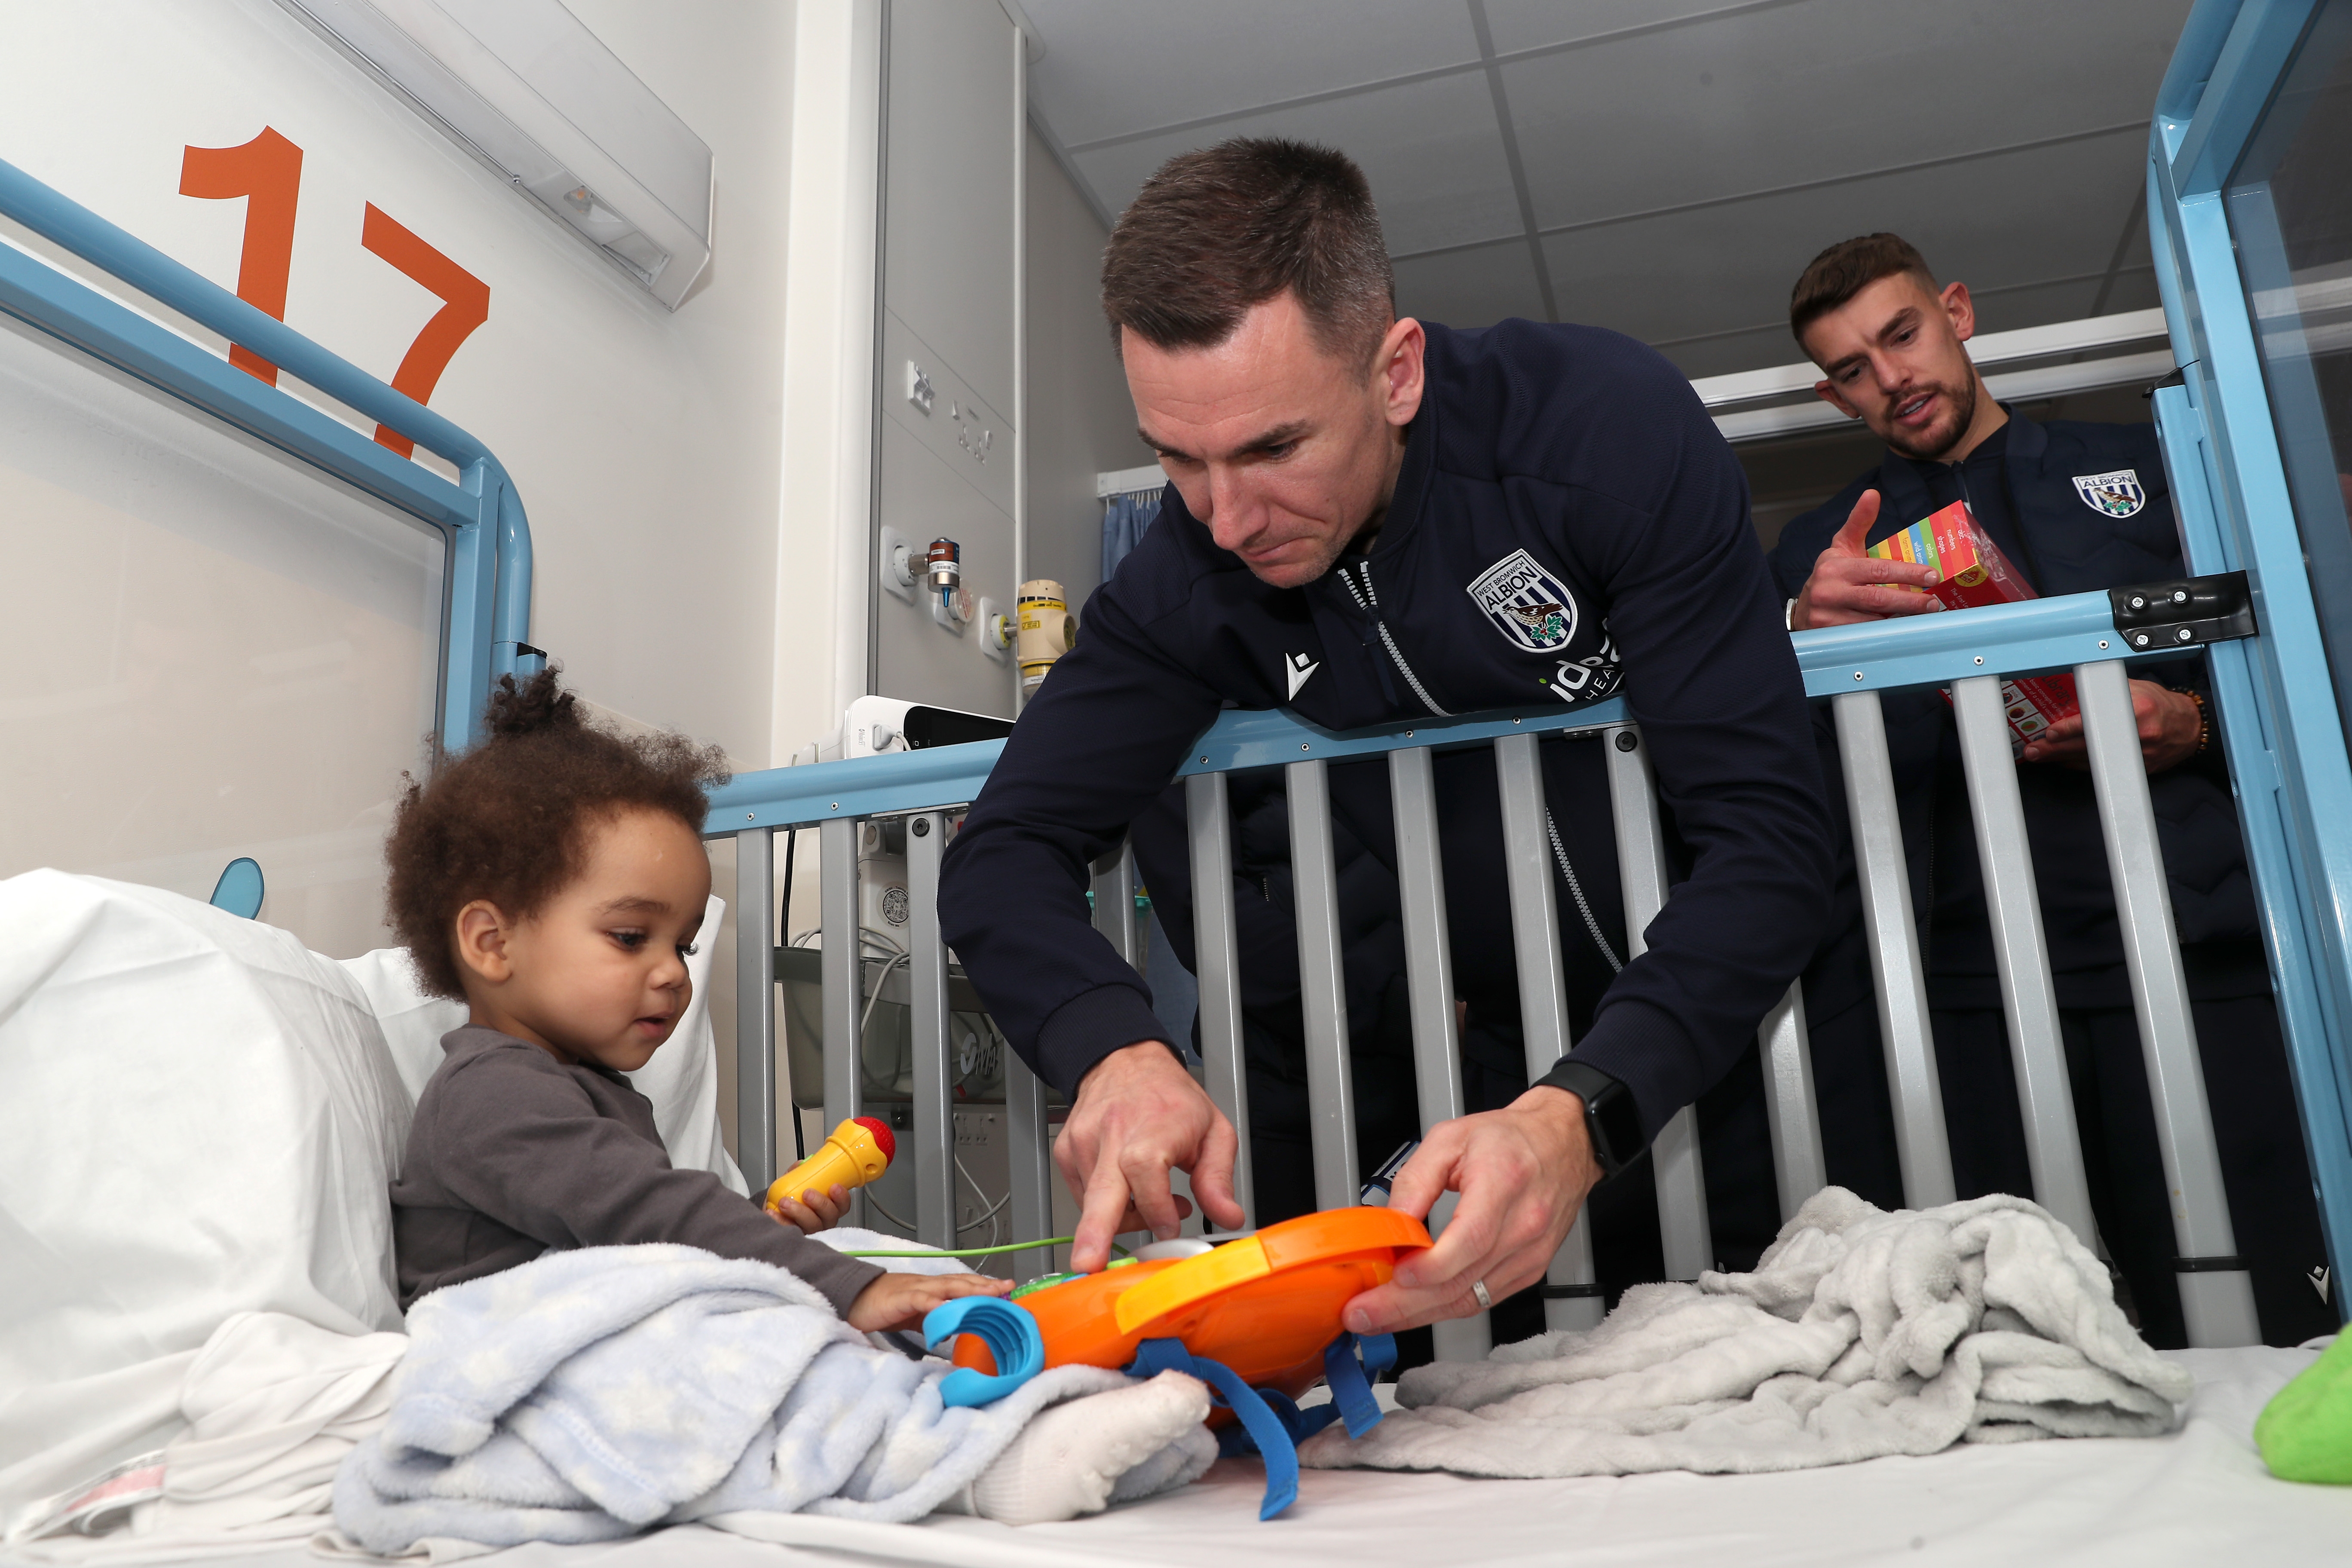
<point x="268" y="173"/>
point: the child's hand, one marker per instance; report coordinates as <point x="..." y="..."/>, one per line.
<point x="817" y="1211"/>
<point x="900" y="1301"/>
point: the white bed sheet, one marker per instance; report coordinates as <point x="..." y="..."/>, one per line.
<point x="2199" y="1496"/>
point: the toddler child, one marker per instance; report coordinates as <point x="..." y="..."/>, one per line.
<point x="553" y="879"/>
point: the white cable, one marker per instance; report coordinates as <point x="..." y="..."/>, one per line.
<point x="981" y="1193"/>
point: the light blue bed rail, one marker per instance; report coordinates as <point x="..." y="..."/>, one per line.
<point x="486" y="615"/>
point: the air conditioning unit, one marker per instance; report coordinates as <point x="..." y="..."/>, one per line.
<point x="526" y="87"/>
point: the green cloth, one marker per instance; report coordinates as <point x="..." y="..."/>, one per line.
<point x="2305" y="1431"/>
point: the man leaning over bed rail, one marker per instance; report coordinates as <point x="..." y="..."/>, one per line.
<point x="1373" y="519"/>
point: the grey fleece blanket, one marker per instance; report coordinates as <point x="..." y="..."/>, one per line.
<point x="1860" y="1334"/>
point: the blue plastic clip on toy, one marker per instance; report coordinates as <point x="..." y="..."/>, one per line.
<point x="1012" y="1337"/>
<point x="1272" y="1425"/>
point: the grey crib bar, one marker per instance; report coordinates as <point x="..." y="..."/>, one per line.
<point x="1920" y="1142"/>
<point x="1114" y="889"/>
<point x="842" y="971"/>
<point x="1675" y="1164"/>
<point x="2217" y="1296"/>
<point x="755" y="1006"/>
<point x="1217" y="951"/>
<point x="1322" y="988"/>
<point x="2029" y="999"/>
<point x="1572" y="1296"/>
<point x="1429" y="980"/>
<point x="933" y="1132"/>
<point x="1799" y="1169"/>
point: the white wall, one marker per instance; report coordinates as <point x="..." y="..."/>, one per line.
<point x="644" y="443"/>
<point x="1081" y="420"/>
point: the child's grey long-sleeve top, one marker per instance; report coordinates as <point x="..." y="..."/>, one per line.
<point x="513" y="1152"/>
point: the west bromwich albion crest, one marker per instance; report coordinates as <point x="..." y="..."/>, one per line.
<point x="2118" y="494"/>
<point x="1526" y="603"/>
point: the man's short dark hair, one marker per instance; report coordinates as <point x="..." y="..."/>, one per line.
<point x="1845" y="269"/>
<point x="1216" y="232"/>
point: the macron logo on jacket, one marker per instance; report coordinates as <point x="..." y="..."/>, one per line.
<point x="1298" y="667"/>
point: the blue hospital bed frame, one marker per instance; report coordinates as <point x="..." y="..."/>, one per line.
<point x="2230" y="484"/>
<point x="486" y="617"/>
<point x="2280" y="724"/>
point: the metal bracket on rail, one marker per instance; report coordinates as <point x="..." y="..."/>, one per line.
<point x="2186" y="613"/>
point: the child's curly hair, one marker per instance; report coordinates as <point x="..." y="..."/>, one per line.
<point x="508" y="819"/>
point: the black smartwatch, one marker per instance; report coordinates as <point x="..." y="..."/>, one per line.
<point x="1611" y="1117"/>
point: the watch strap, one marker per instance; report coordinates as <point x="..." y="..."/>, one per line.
<point x="1611" y="1119"/>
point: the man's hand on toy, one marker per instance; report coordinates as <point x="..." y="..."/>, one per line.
<point x="816" y="1210"/>
<point x="1523" y="1172"/>
<point x="901" y="1301"/>
<point x="1138" y="1115"/>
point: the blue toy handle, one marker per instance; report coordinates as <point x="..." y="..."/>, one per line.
<point x="1009" y="1332"/>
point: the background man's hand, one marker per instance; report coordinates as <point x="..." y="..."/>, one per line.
<point x="1848" y="585"/>
<point x="2169" y="725"/>
<point x="903" y="1301"/>
<point x="1138" y="1115"/>
<point x="1522" y="1171"/>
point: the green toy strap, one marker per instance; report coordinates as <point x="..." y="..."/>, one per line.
<point x="979" y="1251"/>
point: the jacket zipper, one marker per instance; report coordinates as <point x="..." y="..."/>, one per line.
<point x="1369" y="601"/>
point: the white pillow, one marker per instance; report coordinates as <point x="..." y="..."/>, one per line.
<point x="198" y="1117"/>
<point x="682" y="1079"/>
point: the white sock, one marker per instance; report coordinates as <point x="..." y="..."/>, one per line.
<point x="1074" y="1457"/>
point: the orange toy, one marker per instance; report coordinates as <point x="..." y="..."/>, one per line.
<point x="854" y="1153"/>
<point x="1265" y="1305"/>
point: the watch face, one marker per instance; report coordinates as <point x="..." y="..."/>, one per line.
<point x="1616" y="1125"/>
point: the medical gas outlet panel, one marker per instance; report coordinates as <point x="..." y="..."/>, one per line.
<point x="932" y="575"/>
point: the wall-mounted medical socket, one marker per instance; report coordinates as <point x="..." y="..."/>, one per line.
<point x="955" y="610"/>
<point x="899" y="565"/>
<point x="918" y="386"/>
<point x="996" y="630"/>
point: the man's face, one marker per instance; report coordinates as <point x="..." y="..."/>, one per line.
<point x="1283" y="451"/>
<point x="1891" y="356"/>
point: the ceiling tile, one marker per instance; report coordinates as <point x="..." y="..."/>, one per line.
<point x="1112" y="67"/>
<point x="1471" y="288"/>
<point x="1429" y="148"/>
<point x="1533" y="24"/>
<point x="1769" y="99"/>
<point x="1994" y="223"/>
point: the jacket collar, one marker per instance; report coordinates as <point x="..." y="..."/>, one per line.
<point x="1903" y="499"/>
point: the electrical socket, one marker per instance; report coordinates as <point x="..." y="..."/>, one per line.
<point x="905" y="585"/>
<point x="991" y="615"/>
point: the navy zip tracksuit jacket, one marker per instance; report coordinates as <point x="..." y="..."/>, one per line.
<point x="1568" y="524"/>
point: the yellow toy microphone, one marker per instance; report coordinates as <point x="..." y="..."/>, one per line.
<point x="858" y="1150"/>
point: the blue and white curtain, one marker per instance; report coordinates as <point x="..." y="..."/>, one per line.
<point x="1125" y="517"/>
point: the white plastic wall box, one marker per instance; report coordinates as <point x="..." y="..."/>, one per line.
<point x="528" y="89"/>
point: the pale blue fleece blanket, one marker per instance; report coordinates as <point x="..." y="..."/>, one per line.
<point x="591" y="1394"/>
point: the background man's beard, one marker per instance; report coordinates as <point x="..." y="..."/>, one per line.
<point x="1932" y="444"/>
